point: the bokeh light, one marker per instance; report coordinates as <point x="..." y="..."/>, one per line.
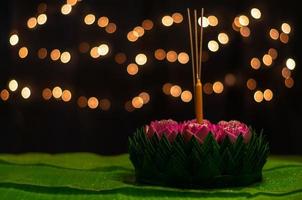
<point x="274" y="34"/>
<point x="285" y="27"/>
<point x="171" y="56"/>
<point x="284" y="38"/>
<point x="223" y="38"/>
<point x="139" y="31"/>
<point x="166" y="88"/>
<point x="46" y="94"/>
<point x="103" y="21"/>
<point x="66" y="9"/>
<point x="103" y="49"/>
<point x="129" y="107"/>
<point x="23" y="52"/>
<point x="147" y="24"/>
<point x="93" y="102"/>
<point x="175" y="91"/>
<point x="94" y="52"/>
<point x="213" y="21"/>
<point x="4" y="95"/>
<point x="251" y="84"/>
<point x="244" y="20"/>
<point x="167" y="20"/>
<point x="65" y="57"/>
<point x="13" y="39"/>
<point x="273" y="53"/>
<point x="25" y="92"/>
<point x="72" y="2"/>
<point x="42" y="53"/>
<point x="32" y="22"/>
<point x="160" y="54"/>
<point x="267" y="60"/>
<point x="213" y="46"/>
<point x="218" y="87"/>
<point x="131" y="36"/>
<point x="268" y="94"/>
<point x="120" y="58"/>
<point x="245" y="31"/>
<point x="258" y="96"/>
<point x="186" y="96"/>
<point x="55" y="54"/>
<point x="42" y="18"/>
<point x="137" y="102"/>
<point x="66" y="95"/>
<point x="208" y="88"/>
<point x="141" y="59"/>
<point x="290" y="64"/>
<point x="111" y="28"/>
<point x="82" y="102"/>
<point x="205" y="22"/>
<point x="132" y="69"/>
<point x="286" y="73"/>
<point x="89" y="19"/>
<point x="145" y="96"/>
<point x="255" y="63"/>
<point x="256" y="13"/>
<point x="57" y="92"/>
<point x="177" y="18"/>
<point x="289" y="82"/>
<point x="183" y="58"/>
<point x="13" y="85"/>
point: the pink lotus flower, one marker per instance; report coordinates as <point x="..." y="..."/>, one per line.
<point x="199" y="131"/>
<point x="233" y="129"/>
<point x="168" y="127"/>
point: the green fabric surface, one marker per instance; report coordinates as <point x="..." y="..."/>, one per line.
<point x="89" y="176"/>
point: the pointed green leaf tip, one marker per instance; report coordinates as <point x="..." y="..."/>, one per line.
<point x="193" y="165"/>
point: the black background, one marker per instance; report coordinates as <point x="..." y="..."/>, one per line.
<point x="54" y="126"/>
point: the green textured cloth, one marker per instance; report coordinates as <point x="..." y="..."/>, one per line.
<point x="89" y="176"/>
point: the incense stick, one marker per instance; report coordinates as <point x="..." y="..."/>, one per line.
<point x="196" y="46"/>
<point x="200" y="47"/>
<point x="191" y="44"/>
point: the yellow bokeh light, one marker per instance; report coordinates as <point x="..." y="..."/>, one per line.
<point x="183" y="58"/>
<point x="160" y="54"/>
<point x="167" y="20"/>
<point x="166" y="88"/>
<point x="237" y="24"/>
<point x="251" y="84"/>
<point x="23" y="52"/>
<point x="65" y="57"/>
<point x="230" y="79"/>
<point x="139" y="31"/>
<point x="42" y="18"/>
<point x="145" y="96"/>
<point x="66" y="9"/>
<point x="255" y="63"/>
<point x="13" y="85"/>
<point x="55" y="54"/>
<point x="267" y="60"/>
<point x="94" y="52"/>
<point x="273" y="53"/>
<point x="120" y="58"/>
<point x="66" y="95"/>
<point x="42" y="53"/>
<point x="213" y="21"/>
<point x="171" y="56"/>
<point x="175" y="91"/>
<point x="223" y="38"/>
<point x="137" y="102"/>
<point x="274" y="34"/>
<point x="72" y="2"/>
<point x="132" y="36"/>
<point x="245" y="31"/>
<point x="25" y="92"/>
<point x="57" y="92"/>
<point x="213" y="46"/>
<point x="268" y="95"/>
<point x="89" y="19"/>
<point x="290" y="64"/>
<point x="258" y="96"/>
<point x="218" y="87"/>
<point x="256" y="13"/>
<point x="93" y="102"/>
<point x="243" y="20"/>
<point x="82" y="102"/>
<point x="286" y="73"/>
<point x="105" y="104"/>
<point x="111" y="28"/>
<point x="285" y="27"/>
<point x="147" y="24"/>
<point x="13" y="39"/>
<point x="32" y="22"/>
<point x="289" y="82"/>
<point x="141" y="59"/>
<point x="205" y="22"/>
<point x="132" y="69"/>
<point x="103" y="21"/>
<point x="4" y="95"/>
<point x="284" y="38"/>
<point x="103" y="49"/>
<point x="177" y="18"/>
<point x="208" y="88"/>
<point x="46" y="94"/>
<point x="84" y="47"/>
<point x="186" y="96"/>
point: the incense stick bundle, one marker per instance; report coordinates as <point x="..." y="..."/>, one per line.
<point x="196" y="57"/>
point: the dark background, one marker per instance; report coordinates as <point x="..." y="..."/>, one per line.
<point x="54" y="126"/>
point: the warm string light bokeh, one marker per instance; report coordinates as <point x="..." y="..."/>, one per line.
<point x="243" y="24"/>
